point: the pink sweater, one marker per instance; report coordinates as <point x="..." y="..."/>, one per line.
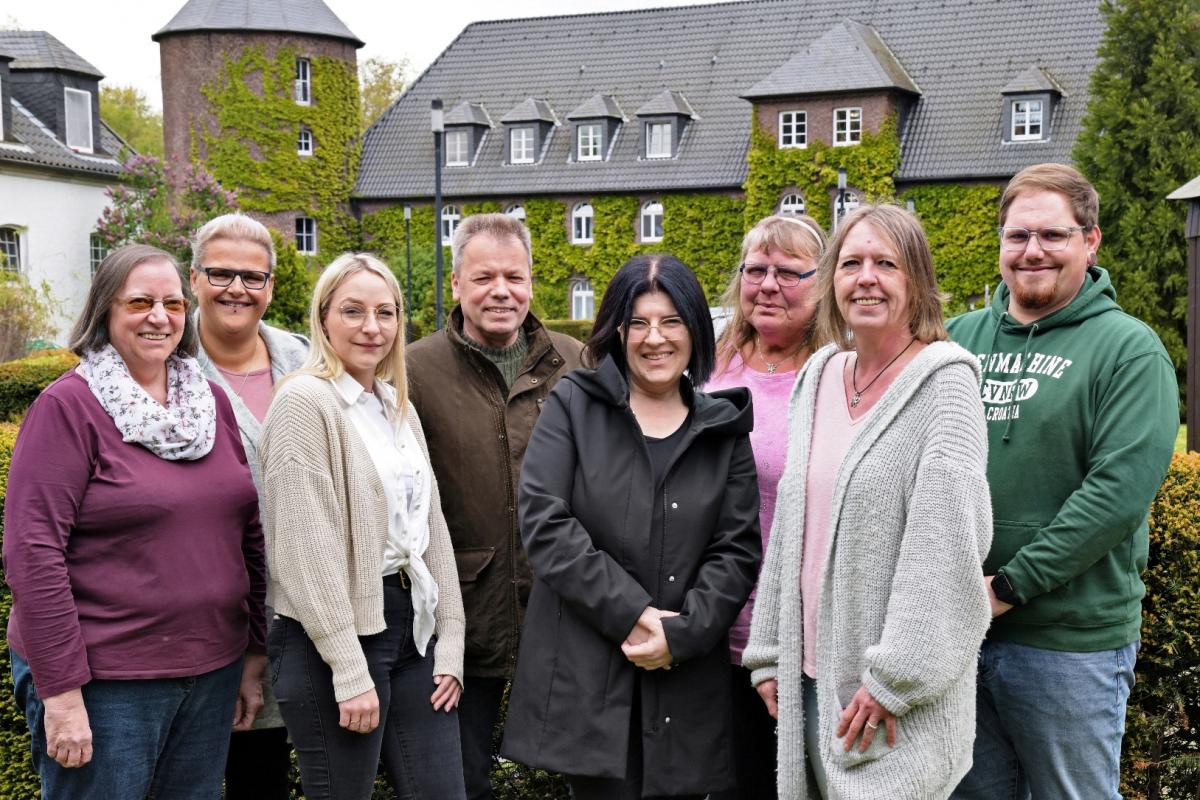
<point x="769" y="442"/>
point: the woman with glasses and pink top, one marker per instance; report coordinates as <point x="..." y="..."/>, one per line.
<point x="134" y="552"/>
<point x="769" y="337"/>
<point x="366" y="646"/>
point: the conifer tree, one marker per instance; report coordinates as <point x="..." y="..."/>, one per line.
<point x="1141" y="140"/>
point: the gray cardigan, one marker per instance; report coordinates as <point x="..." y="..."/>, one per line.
<point x="903" y="607"/>
<point x="288" y="352"/>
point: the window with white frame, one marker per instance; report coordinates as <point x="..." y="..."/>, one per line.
<point x="450" y="220"/>
<point x="658" y="140"/>
<point x="583" y="300"/>
<point x="516" y="211"/>
<point x="458" y="148"/>
<point x="304" y="142"/>
<point x="847" y="126"/>
<point x="590" y="139"/>
<point x="97" y="250"/>
<point x="520" y="145"/>
<point x="303" y="86"/>
<point x="843" y="208"/>
<point x="581" y="224"/>
<point x="10" y="249"/>
<point x="79" y="119"/>
<point x="652" y="221"/>
<point x="1026" y="120"/>
<point x="792" y="204"/>
<point x="793" y="129"/>
<point x="306" y="235"/>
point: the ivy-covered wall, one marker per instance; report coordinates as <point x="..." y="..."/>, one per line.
<point x="253" y="145"/>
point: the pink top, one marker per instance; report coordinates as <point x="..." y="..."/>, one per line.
<point x="833" y="430"/>
<point x="254" y="388"/>
<point x="769" y="442"/>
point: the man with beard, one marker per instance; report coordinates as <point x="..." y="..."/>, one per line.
<point x="1082" y="411"/>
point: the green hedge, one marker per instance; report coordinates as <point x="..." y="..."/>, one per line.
<point x="580" y="329"/>
<point x="21" y="381"/>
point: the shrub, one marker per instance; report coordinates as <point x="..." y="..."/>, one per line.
<point x="293" y="288"/>
<point x="21" y="381"/>
<point x="580" y="329"/>
<point x="25" y="313"/>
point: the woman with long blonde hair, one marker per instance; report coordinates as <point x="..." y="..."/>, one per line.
<point x="366" y="653"/>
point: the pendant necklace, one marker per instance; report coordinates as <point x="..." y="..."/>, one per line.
<point x="857" y="397"/>
<point x="772" y="366"/>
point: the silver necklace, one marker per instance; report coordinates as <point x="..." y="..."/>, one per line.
<point x="857" y="398"/>
<point x="771" y="365"/>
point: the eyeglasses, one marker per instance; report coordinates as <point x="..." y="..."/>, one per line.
<point x="140" y="304"/>
<point x="757" y="273"/>
<point x="1055" y="237"/>
<point x="221" y="277"/>
<point x="668" y="328"/>
<point x="387" y="316"/>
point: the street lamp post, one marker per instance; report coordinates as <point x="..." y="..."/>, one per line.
<point x="841" y="197"/>
<point x="437" y="123"/>
<point x="408" y="271"/>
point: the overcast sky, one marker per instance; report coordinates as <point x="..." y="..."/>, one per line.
<point x="114" y="35"/>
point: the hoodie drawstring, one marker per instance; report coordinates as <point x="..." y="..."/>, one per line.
<point x="1017" y="386"/>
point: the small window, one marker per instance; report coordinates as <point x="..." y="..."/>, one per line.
<point x="590" y="139"/>
<point x="841" y="210"/>
<point x="450" y="220"/>
<point x="658" y="140"/>
<point x="652" y="222"/>
<point x="10" y="250"/>
<point x="583" y="300"/>
<point x="1026" y="120"/>
<point x="303" y="90"/>
<point x="793" y="129"/>
<point x="581" y="224"/>
<point x="97" y="250"/>
<point x="79" y="119"/>
<point x="458" y="148"/>
<point x="847" y="126"/>
<point x="306" y="235"/>
<point x="792" y="204"/>
<point x="304" y="142"/>
<point x="520" y="145"/>
<point x="516" y="211"/>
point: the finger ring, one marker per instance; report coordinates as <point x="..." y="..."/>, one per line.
<point x="872" y="727"/>
<point x="666" y="666"/>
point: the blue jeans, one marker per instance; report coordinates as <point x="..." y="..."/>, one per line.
<point x="164" y="737"/>
<point x="419" y="746"/>
<point x="1049" y="723"/>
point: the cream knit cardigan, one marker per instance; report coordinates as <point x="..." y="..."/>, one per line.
<point x="326" y="528"/>
<point x="902" y="608"/>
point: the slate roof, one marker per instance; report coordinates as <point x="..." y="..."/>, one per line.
<point x="960" y="53"/>
<point x="309" y="17"/>
<point x="597" y="106"/>
<point x="40" y="50"/>
<point x="532" y="110"/>
<point x="36" y="146"/>
<point x="1033" y="79"/>
<point x="666" y="103"/>
<point x="849" y="57"/>
<point x="466" y="113"/>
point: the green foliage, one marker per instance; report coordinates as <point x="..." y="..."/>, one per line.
<point x="22" y="381"/>
<point x="294" y="281"/>
<point x="25" y="313"/>
<point x="127" y="112"/>
<point x="580" y="329"/>
<point x="960" y="223"/>
<point x="1162" y="735"/>
<point x="380" y="82"/>
<point x="253" y="145"/>
<point x="1140" y="140"/>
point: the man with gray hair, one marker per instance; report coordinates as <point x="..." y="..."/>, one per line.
<point x="478" y="386"/>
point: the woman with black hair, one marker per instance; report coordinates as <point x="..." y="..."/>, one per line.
<point x="639" y="515"/>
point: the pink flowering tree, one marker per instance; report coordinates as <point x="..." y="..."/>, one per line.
<point x="162" y="205"/>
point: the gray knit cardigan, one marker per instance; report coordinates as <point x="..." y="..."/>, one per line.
<point x="903" y="608"/>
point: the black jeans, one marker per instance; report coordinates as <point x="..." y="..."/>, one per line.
<point x="477" y="715"/>
<point x="754" y="744"/>
<point x="258" y="765"/>
<point x="419" y="746"/>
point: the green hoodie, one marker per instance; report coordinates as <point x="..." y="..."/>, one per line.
<point x="1082" y="412"/>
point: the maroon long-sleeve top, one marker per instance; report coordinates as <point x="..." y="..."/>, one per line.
<point x="124" y="565"/>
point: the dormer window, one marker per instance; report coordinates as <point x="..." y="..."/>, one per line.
<point x="79" y="119"/>
<point x="529" y="126"/>
<point x="664" y="117"/>
<point x="658" y="140"/>
<point x="304" y="142"/>
<point x="458" y="148"/>
<point x="303" y="85"/>
<point x="589" y="137"/>
<point x="1029" y="101"/>
<point x="793" y="129"/>
<point x="1026" y="120"/>
<point x="597" y="122"/>
<point x="467" y="125"/>
<point x="521" y="145"/>
<point x="847" y="126"/>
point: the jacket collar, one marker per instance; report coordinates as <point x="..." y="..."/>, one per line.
<point x="535" y="334"/>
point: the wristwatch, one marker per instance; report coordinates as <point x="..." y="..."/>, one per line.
<point x="1003" y="589"/>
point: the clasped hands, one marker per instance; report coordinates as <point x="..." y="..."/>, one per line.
<point x="646" y="645"/>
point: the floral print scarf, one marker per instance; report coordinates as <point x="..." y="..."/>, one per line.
<point x="184" y="430"/>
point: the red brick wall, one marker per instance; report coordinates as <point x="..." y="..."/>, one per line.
<point x="875" y="106"/>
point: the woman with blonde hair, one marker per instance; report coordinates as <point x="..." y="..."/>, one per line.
<point x="871" y="602"/>
<point x="769" y="337"/>
<point x="366" y="651"/>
